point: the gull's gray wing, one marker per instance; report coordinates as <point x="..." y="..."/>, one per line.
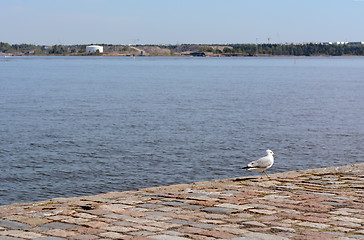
<point x="260" y="163"/>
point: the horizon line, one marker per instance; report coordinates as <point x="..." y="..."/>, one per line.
<point x="178" y="44"/>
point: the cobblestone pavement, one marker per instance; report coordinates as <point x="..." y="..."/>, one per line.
<point x="326" y="203"/>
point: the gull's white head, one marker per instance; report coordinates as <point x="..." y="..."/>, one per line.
<point x="270" y="153"/>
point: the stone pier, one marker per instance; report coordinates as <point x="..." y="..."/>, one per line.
<point x="325" y="203"/>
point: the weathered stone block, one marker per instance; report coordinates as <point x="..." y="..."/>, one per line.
<point x="13" y="225"/>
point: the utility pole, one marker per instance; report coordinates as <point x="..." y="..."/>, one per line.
<point x="256" y="44"/>
<point x="135" y="40"/>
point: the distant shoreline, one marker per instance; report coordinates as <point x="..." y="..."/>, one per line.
<point x="197" y="50"/>
<point x="178" y="56"/>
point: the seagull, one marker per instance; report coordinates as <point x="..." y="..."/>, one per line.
<point x="263" y="163"/>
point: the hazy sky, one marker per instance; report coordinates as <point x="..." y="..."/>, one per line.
<point x="180" y="21"/>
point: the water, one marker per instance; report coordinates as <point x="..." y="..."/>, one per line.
<point x="74" y="126"/>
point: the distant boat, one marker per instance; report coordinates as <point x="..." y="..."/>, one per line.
<point x="197" y="54"/>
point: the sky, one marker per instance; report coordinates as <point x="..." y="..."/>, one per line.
<point x="67" y="22"/>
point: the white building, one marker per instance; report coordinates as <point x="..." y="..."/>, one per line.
<point x="341" y="43"/>
<point x="94" y="48"/>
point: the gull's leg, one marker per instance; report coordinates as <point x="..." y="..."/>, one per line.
<point x="262" y="176"/>
<point x="266" y="174"/>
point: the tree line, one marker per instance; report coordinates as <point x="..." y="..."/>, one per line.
<point x="30" y="49"/>
<point x="287" y="49"/>
<point x="311" y="49"/>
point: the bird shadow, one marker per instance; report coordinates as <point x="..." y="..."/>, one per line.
<point x="245" y="179"/>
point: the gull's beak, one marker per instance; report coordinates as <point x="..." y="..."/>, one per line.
<point x="274" y="154"/>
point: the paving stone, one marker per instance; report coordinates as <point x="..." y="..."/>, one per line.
<point x="356" y="236"/>
<point x="10" y="238"/>
<point x="234" y="229"/>
<point x="261" y="236"/>
<point x="95" y="224"/>
<point x="162" y="214"/>
<point x="76" y="221"/>
<point x="315" y="182"/>
<point x="99" y="212"/>
<point x="280" y="199"/>
<point x="351" y="210"/>
<point x="244" y="238"/>
<point x="178" y="212"/>
<point x="8" y="232"/>
<point x="137" y="238"/>
<point x="212" y="216"/>
<point x="348" y="219"/>
<point x="49" y="238"/>
<point x="205" y="203"/>
<point x="149" y="205"/>
<point x="174" y="204"/>
<point x="336" y="234"/>
<point x="116" y="216"/>
<point x="13" y="225"/>
<point x="346" y="224"/>
<point x="41" y="214"/>
<point x="84" y="215"/>
<point x="60" y="233"/>
<point x="84" y="230"/>
<point x="139" y="220"/>
<point x="342" y="229"/>
<point x="242" y="216"/>
<point x="191" y="230"/>
<point x="25" y="235"/>
<point x="120" y="229"/>
<point x="121" y="223"/>
<point x="329" y="179"/>
<point x="157" y="218"/>
<point x="260" y="206"/>
<point x="253" y="224"/>
<point x="268" y="218"/>
<point x="57" y="217"/>
<point x="192" y="207"/>
<point x="57" y="225"/>
<point x="314" y="234"/>
<point x="150" y="229"/>
<point x="163" y="225"/>
<point x="281" y="229"/>
<point x="172" y="233"/>
<point x="115" y="207"/>
<point x="219" y="234"/>
<point x="262" y="211"/>
<point x="190" y="223"/>
<point x="35" y="221"/>
<point x="83" y="237"/>
<point x="234" y="206"/>
<point x="164" y="209"/>
<point x="168" y="237"/>
<point x="314" y="225"/>
<point x="198" y="237"/>
<point x="335" y="204"/>
<point x="290" y="221"/>
<point x="142" y="233"/>
<point x="341" y="212"/>
<point x="219" y="210"/>
<point x="211" y="221"/>
<point x="112" y="235"/>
